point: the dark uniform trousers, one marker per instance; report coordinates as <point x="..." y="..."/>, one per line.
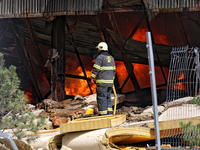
<point x="104" y="100"/>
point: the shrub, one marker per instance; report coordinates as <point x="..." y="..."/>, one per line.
<point x="14" y="113"/>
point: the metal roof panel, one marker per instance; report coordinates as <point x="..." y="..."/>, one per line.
<point x="27" y="8"/>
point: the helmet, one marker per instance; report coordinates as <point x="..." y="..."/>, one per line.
<point x="102" y="46"/>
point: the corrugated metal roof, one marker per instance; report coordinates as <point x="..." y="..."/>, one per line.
<point x="175" y="5"/>
<point x="34" y="8"/>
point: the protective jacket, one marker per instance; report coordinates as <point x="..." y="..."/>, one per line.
<point x="104" y="69"/>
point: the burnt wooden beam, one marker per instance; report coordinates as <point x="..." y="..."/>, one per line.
<point x="58" y="65"/>
<point x="23" y="45"/>
<point x="182" y="29"/>
<point x="128" y="64"/>
<point x="4" y="31"/>
<point x="17" y="40"/>
<point x="79" y="58"/>
<point x="135" y="29"/>
<point x="105" y="3"/>
<point x="36" y="48"/>
<point x="98" y="25"/>
<point x="198" y="15"/>
<point x="150" y="14"/>
<point x="191" y="19"/>
<point x="30" y="54"/>
<point x="34" y="41"/>
<point x="76" y="77"/>
<point x="53" y="75"/>
<point x="71" y="29"/>
<point x="53" y="62"/>
<point x="153" y="41"/>
<point x="129" y="38"/>
<point x="117" y="47"/>
<point x="125" y="81"/>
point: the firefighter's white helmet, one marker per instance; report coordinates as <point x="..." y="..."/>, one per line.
<point x="102" y="46"/>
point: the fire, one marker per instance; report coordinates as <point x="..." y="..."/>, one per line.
<point x="140" y="35"/>
<point x="141" y="71"/>
<point x="142" y="74"/>
<point x="29" y="97"/>
<point x="180" y="86"/>
<point x="79" y="86"/>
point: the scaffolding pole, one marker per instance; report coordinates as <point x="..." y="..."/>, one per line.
<point x="153" y="88"/>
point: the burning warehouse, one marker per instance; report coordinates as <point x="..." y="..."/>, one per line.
<point x="36" y="27"/>
<point x="52" y="44"/>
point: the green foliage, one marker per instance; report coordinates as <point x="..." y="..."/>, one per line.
<point x="191" y="133"/>
<point x="196" y="100"/>
<point x="13" y="107"/>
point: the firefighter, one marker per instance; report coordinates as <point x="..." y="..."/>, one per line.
<point x="104" y="71"/>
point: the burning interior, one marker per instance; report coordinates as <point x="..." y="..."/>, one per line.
<point x="83" y="38"/>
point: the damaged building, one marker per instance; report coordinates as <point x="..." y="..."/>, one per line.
<point x="52" y="43"/>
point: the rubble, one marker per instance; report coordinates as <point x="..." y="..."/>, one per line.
<point x="71" y="109"/>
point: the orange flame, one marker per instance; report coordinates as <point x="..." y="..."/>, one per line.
<point x="79" y="86"/>
<point x="29" y="97"/>
<point x="180" y="85"/>
<point x="142" y="74"/>
<point x="140" y="35"/>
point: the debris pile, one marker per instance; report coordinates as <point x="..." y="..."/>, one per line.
<point x="71" y="109"/>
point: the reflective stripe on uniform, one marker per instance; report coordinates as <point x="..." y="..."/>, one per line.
<point x="109" y="109"/>
<point x="104" y="81"/>
<point x="96" y="66"/>
<point x="104" y="67"/>
<point x="107" y="68"/>
<point x="93" y="75"/>
<point x="103" y="112"/>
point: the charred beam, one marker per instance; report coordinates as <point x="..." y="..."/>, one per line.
<point x="4" y="32"/>
<point x="98" y="25"/>
<point x="77" y="77"/>
<point x="135" y="29"/>
<point x="34" y="41"/>
<point x="130" y="37"/>
<point x="182" y="29"/>
<point x="150" y="14"/>
<point x="191" y="19"/>
<point x="79" y="58"/>
<point x="30" y="54"/>
<point x="128" y="65"/>
<point x="71" y="29"/>
<point x="25" y="62"/>
<point x="58" y="45"/>
<point x="126" y="80"/>
<point x="36" y="48"/>
<point x="117" y="47"/>
<point x="153" y="41"/>
<point x="105" y="3"/>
